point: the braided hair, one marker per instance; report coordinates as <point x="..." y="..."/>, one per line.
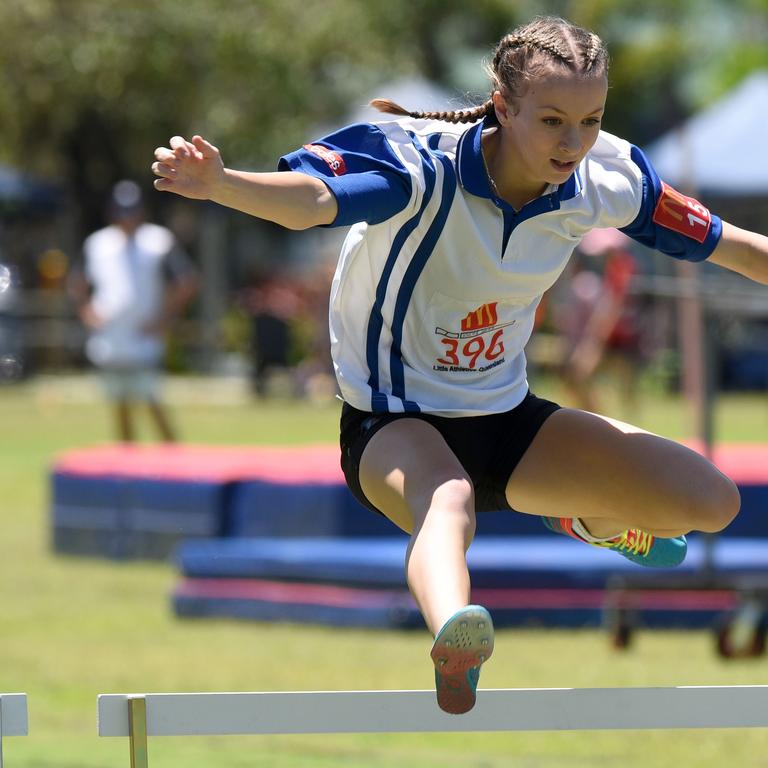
<point x="453" y="116"/>
<point x="525" y="53"/>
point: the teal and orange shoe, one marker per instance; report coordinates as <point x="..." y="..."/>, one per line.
<point x="638" y="546"/>
<point x="463" y="644"/>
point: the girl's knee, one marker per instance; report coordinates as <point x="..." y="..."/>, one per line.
<point x="716" y="504"/>
<point x="456" y="493"/>
<point x="453" y="504"/>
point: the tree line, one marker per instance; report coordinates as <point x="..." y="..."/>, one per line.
<point x="88" y="88"/>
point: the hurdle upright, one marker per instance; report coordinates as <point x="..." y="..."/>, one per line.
<point x="525" y="709"/>
<point x="13" y="717"/>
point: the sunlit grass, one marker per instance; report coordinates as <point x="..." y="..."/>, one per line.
<point x="71" y="628"/>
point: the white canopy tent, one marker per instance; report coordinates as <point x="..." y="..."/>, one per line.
<point x="721" y="150"/>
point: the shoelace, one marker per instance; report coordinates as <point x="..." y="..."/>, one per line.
<point x="635" y="541"/>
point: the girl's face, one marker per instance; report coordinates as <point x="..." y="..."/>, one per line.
<point x="556" y="123"/>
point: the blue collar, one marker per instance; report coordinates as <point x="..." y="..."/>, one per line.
<point x="474" y="178"/>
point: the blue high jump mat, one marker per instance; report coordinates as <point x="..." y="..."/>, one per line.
<point x="120" y="517"/>
<point x="140" y="501"/>
<point x="298" y="603"/>
<point x="134" y="501"/>
<point x="549" y="560"/>
<point x="544" y="581"/>
<point x="125" y="501"/>
<point x="494" y="562"/>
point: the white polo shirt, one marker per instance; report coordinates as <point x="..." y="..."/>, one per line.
<point x="128" y="277"/>
<point x="437" y="285"/>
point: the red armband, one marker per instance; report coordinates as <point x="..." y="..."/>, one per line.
<point x="682" y="214"/>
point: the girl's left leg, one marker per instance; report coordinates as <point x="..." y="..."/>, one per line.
<point x="613" y="477"/>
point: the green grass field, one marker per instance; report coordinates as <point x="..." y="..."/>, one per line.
<point x="72" y="628"/>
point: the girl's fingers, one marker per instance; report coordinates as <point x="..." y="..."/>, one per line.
<point x="204" y="147"/>
<point x="179" y="145"/>
<point x="163" y="169"/>
<point x="182" y="148"/>
<point x="165" y="155"/>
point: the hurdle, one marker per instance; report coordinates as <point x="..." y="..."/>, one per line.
<point x="13" y="717"/>
<point x="140" y="715"/>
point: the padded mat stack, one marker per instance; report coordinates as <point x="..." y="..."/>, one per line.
<point x="272" y="533"/>
<point x="141" y="501"/>
<point x="535" y="581"/>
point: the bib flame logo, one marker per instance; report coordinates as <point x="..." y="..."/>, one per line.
<point x="484" y="316"/>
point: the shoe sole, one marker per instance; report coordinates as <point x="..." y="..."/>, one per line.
<point x="652" y="564"/>
<point x="465" y="642"/>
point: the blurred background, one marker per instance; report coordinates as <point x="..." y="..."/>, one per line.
<point x="88" y="90"/>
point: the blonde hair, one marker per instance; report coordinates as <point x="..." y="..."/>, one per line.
<point x="525" y="53"/>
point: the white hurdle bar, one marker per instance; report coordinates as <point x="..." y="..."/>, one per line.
<point x="526" y="709"/>
<point x="13" y="717"/>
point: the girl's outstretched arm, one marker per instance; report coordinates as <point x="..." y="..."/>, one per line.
<point x="195" y="169"/>
<point x="744" y="252"/>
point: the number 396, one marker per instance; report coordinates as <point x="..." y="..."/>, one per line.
<point x="466" y="355"/>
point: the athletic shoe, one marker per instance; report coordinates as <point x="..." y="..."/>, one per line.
<point x="460" y="648"/>
<point x="638" y="546"/>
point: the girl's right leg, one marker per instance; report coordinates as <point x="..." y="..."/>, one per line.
<point x="409" y="473"/>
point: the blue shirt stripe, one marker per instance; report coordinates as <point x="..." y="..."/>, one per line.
<point x="415" y="268"/>
<point x="379" y="400"/>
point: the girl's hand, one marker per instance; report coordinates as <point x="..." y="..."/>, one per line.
<point x="189" y="168"/>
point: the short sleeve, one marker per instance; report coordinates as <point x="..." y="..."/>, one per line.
<point x="669" y="221"/>
<point x="361" y="168"/>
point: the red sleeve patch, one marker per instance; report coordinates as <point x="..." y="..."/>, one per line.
<point x="334" y="160"/>
<point x="682" y="214"/>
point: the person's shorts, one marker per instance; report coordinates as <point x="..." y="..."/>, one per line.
<point x="488" y="447"/>
<point x="131" y="383"/>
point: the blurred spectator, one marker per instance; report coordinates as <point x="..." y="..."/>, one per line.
<point x="134" y="282"/>
<point x="315" y="375"/>
<point x="600" y="321"/>
<point x="11" y="349"/>
<point x="272" y="302"/>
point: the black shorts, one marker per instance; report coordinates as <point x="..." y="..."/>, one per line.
<point x="489" y="447"/>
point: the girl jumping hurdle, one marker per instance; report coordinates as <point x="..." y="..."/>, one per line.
<point x="459" y="222"/>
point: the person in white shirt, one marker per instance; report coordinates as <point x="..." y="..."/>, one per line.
<point x="460" y="221"/>
<point x="135" y="281"/>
